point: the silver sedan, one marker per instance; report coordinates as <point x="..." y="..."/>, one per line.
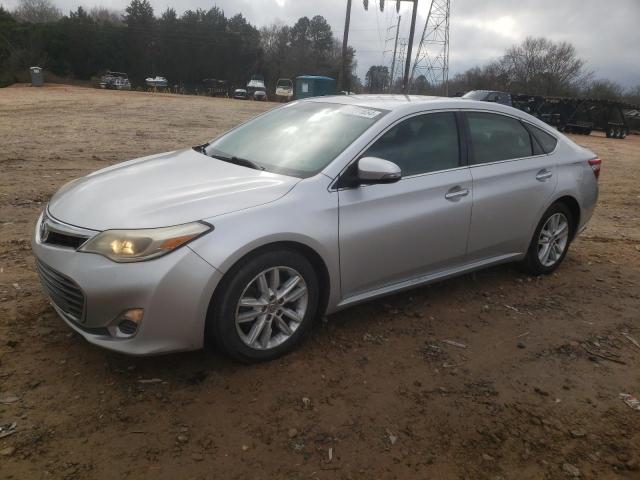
<point x="307" y="209"/>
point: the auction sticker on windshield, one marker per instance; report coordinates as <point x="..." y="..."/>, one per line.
<point x="360" y="112"/>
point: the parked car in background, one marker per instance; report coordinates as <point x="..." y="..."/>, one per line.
<point x="240" y="94"/>
<point x="260" y="95"/>
<point x="307" y="209"/>
<point x="157" y="82"/>
<point x="284" y="90"/>
<point x="256" y="83"/>
<point x="503" y="98"/>
<point x="115" y="81"/>
<point x="215" y="87"/>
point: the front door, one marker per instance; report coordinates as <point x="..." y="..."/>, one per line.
<point x="418" y="225"/>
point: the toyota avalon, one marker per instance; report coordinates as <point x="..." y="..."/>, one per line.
<point x="304" y="210"/>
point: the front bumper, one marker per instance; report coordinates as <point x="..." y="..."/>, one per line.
<point x="174" y="291"/>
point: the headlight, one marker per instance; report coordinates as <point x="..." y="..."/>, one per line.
<point x="144" y="244"/>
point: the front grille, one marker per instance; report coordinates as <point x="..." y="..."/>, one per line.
<point x="64" y="240"/>
<point x="64" y="292"/>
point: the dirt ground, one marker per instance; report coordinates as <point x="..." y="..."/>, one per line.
<point x="376" y="391"/>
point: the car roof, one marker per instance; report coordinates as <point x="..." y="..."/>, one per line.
<point x="487" y="91"/>
<point x="408" y="104"/>
<point x="411" y="102"/>
<point x="381" y="101"/>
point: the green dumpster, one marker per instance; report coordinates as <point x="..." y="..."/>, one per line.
<point x="314" y="86"/>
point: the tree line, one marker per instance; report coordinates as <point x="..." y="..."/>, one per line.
<point x="200" y="44"/>
<point x="186" y="49"/>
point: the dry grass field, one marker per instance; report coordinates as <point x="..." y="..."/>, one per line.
<point x="375" y="392"/>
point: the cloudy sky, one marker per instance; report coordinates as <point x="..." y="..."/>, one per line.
<point x="605" y="33"/>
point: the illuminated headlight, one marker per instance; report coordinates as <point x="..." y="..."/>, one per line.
<point x="145" y="244"/>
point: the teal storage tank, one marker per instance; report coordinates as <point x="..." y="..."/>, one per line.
<point x="314" y="86"/>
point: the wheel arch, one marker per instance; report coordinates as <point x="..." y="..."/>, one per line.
<point x="574" y="207"/>
<point x="317" y="262"/>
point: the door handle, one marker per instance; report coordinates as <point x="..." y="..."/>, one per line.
<point x="544" y="174"/>
<point x="455" y="193"/>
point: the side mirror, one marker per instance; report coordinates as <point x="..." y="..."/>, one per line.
<point x="376" y="170"/>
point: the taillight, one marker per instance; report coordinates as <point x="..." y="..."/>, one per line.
<point x="595" y="165"/>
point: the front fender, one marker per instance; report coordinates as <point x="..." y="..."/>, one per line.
<point x="308" y="215"/>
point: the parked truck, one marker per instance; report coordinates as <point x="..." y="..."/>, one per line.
<point x="577" y="115"/>
<point x="284" y="90"/>
<point x="567" y="114"/>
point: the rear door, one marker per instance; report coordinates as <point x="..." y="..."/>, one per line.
<point x="512" y="182"/>
<point x="393" y="232"/>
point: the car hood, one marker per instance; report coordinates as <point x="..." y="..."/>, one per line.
<point x="162" y="190"/>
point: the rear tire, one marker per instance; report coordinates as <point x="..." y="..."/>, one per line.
<point x="550" y="241"/>
<point x="252" y="317"/>
<point x="611" y="132"/>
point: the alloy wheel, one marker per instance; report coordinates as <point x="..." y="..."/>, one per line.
<point x="553" y="239"/>
<point x="271" y="308"/>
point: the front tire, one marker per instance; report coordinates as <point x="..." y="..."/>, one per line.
<point x="550" y="241"/>
<point x="264" y="306"/>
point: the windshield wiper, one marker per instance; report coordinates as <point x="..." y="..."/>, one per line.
<point x="239" y="161"/>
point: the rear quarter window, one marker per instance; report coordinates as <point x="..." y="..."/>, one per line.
<point x="546" y="141"/>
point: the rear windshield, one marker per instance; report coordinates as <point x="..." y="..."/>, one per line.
<point x="299" y="139"/>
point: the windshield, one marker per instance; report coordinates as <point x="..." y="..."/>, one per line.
<point x="476" y="94"/>
<point x="299" y="139"/>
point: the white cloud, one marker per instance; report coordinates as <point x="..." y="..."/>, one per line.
<point x="505" y="26"/>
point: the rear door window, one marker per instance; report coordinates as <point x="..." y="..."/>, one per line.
<point x="497" y="137"/>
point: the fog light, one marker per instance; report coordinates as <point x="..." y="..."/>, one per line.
<point x="127" y="323"/>
<point x="127" y="327"/>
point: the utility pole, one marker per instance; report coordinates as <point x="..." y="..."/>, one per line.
<point x="407" y="66"/>
<point x="346" y="76"/>
<point x="395" y="48"/>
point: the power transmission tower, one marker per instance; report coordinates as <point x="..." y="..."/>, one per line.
<point x="399" y="63"/>
<point x="432" y="57"/>
<point x="392" y="38"/>
<point x="395" y="50"/>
